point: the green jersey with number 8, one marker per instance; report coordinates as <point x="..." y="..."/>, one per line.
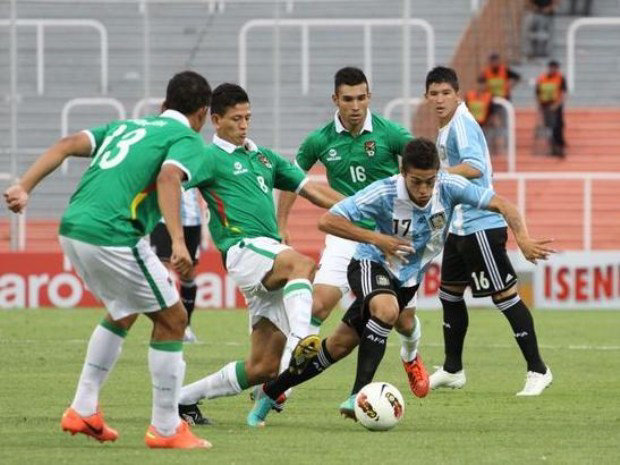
<point x="237" y="184"/>
<point x="115" y="203"/>
<point x="354" y="162"/>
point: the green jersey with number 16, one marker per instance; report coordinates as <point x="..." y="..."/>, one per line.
<point x="237" y="184"/>
<point x="354" y="162"/>
<point x="115" y="203"/>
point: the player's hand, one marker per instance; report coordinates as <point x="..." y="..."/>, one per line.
<point x="536" y="249"/>
<point x="16" y="198"/>
<point x="180" y="259"/>
<point x="395" y="248"/>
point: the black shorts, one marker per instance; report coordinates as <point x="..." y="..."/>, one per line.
<point x="367" y="279"/>
<point x="162" y="245"/>
<point x="478" y="260"/>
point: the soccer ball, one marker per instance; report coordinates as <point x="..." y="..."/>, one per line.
<point x="379" y="406"/>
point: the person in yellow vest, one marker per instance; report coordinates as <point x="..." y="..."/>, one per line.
<point x="479" y="101"/>
<point x="499" y="80"/>
<point x="550" y="94"/>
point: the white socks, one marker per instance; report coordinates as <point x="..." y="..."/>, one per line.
<point x="297" y="297"/>
<point x="409" y="344"/>
<point x="104" y="348"/>
<point x="224" y="382"/>
<point x="167" y="369"/>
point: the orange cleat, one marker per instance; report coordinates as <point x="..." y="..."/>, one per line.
<point x="92" y="426"/>
<point x="418" y="376"/>
<point x="182" y="439"/>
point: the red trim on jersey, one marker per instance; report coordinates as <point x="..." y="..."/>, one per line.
<point x="221" y="210"/>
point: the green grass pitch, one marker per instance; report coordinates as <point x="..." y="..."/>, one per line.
<point x="576" y="421"/>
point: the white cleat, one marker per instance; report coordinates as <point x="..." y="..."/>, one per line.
<point x="189" y="337"/>
<point x="443" y="379"/>
<point x="536" y="383"/>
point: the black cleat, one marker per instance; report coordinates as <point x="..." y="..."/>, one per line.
<point x="193" y="416"/>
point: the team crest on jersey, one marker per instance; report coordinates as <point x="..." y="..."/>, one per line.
<point x="438" y="220"/>
<point x="370" y="147"/>
<point x="382" y="280"/>
<point x="264" y="160"/>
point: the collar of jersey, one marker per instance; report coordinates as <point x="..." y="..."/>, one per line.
<point x="176" y="115"/>
<point x="403" y="194"/>
<point x="340" y="128"/>
<point x="460" y="109"/>
<point x="229" y="148"/>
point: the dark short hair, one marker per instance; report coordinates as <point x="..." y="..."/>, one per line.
<point x="494" y="56"/>
<point x="187" y="92"/>
<point x="440" y="74"/>
<point x="349" y="76"/>
<point x="555" y="63"/>
<point x="226" y="96"/>
<point x="421" y="154"/>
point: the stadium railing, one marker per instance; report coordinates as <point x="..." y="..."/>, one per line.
<point x="570" y="42"/>
<point x="41" y="24"/>
<point x="81" y="102"/>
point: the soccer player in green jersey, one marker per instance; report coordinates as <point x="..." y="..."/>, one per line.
<point x="356" y="148"/>
<point x="236" y="180"/>
<point x="136" y="171"/>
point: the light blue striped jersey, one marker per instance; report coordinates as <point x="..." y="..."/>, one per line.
<point x="190" y="208"/>
<point x="387" y="202"/>
<point x="462" y="141"/>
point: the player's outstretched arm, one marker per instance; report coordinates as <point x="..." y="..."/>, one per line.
<point x="465" y="170"/>
<point x="320" y="194"/>
<point x="285" y="204"/>
<point x="169" y="189"/>
<point x="392" y="247"/>
<point x="78" y="144"/>
<point x="533" y="249"/>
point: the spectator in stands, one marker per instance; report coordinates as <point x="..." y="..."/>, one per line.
<point x="499" y="79"/>
<point x="585" y="10"/>
<point x="550" y="93"/>
<point x="479" y="102"/>
<point x="539" y="29"/>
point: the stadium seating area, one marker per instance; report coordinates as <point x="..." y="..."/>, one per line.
<point x="194" y="35"/>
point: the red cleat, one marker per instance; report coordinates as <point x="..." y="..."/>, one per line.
<point x="418" y="376"/>
<point x="92" y="426"/>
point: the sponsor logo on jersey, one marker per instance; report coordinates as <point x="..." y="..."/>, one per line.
<point x="332" y="155"/>
<point x="264" y="160"/>
<point x="438" y="220"/>
<point x="382" y="280"/>
<point x="370" y="147"/>
<point x="239" y="169"/>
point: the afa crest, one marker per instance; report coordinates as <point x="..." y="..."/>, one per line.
<point x="370" y="147"/>
<point x="438" y="220"/>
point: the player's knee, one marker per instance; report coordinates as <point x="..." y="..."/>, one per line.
<point x="405" y="323"/>
<point x="384" y="308"/>
<point x="304" y="266"/>
<point x="320" y="309"/>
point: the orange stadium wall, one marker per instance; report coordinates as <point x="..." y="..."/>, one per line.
<point x="570" y="280"/>
<point x="496" y="28"/>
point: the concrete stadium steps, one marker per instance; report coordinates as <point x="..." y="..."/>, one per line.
<point x="589" y="133"/>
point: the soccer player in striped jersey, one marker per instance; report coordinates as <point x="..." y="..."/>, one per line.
<point x="475" y="251"/>
<point x="191" y="218"/>
<point x="135" y="175"/>
<point x="412" y="212"/>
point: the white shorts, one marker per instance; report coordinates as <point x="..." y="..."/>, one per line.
<point x="334" y="264"/>
<point x="247" y="264"/>
<point x="127" y="280"/>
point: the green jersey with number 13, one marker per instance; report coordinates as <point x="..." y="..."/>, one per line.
<point x="115" y="203"/>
